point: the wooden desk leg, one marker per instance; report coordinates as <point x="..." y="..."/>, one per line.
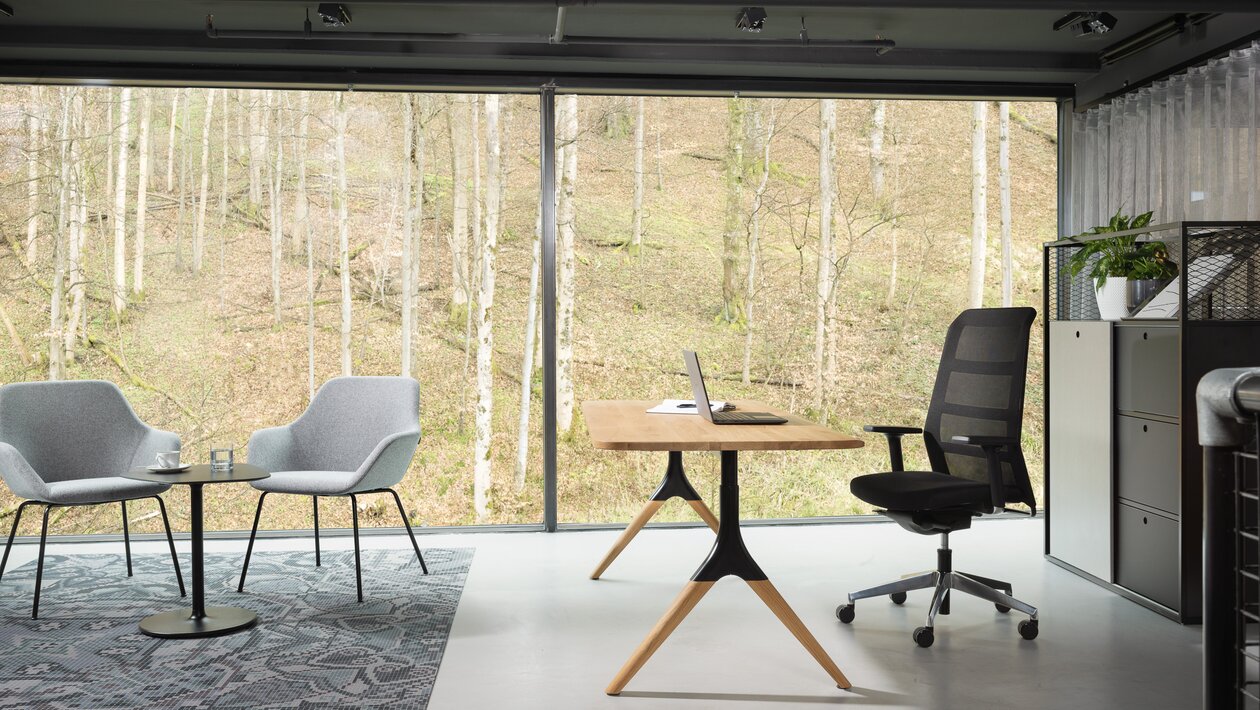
<point x="628" y="534"/>
<point x="673" y="485"/>
<point x="779" y="606"/>
<point x="682" y="606"/>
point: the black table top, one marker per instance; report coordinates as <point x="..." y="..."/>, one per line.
<point x="201" y="473"/>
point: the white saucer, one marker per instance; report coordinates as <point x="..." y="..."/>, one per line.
<point x="158" y="469"/>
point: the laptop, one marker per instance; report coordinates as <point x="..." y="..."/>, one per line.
<point x="702" y="400"/>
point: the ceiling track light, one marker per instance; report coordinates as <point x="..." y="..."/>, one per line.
<point x="1087" y="24"/>
<point x="6" y="10"/>
<point x="751" y="19"/>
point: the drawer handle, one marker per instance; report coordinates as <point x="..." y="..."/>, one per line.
<point x="1144" y="336"/>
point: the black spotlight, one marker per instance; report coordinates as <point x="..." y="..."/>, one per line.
<point x="751" y="19"/>
<point x="334" y="14"/>
<point x="1087" y="24"/>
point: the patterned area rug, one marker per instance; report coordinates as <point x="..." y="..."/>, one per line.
<point x="314" y="645"/>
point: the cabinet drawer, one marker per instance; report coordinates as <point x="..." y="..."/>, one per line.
<point x="1148" y="461"/>
<point x="1147" y="361"/>
<point x="1147" y="555"/>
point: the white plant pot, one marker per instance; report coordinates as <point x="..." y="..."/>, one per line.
<point x="1112" y="300"/>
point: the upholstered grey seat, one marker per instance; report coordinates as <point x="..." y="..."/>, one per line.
<point x="357" y="436"/>
<point x="65" y="444"/>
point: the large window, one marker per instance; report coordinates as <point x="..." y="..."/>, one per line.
<point x="220" y="253"/>
<point x="703" y="223"/>
<point x="190" y="245"/>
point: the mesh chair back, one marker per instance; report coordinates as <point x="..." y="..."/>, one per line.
<point x="980" y="392"/>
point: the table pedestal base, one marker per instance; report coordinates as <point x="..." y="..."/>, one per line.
<point x="181" y="623"/>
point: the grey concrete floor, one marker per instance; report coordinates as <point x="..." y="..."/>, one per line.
<point x="532" y="631"/>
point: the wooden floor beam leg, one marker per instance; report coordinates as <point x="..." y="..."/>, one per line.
<point x="705" y="514"/>
<point x="627" y="535"/>
<point x="682" y="606"/>
<point x="779" y="606"/>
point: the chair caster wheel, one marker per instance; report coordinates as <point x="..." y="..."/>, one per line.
<point x="1002" y="608"/>
<point x="1028" y="629"/>
<point x="897" y="598"/>
<point x="845" y="613"/>
<point x="924" y="636"/>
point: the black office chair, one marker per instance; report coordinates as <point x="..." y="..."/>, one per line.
<point x="972" y="435"/>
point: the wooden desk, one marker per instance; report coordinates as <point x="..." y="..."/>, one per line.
<point x="624" y="425"/>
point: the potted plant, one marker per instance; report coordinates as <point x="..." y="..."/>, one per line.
<point x="1124" y="270"/>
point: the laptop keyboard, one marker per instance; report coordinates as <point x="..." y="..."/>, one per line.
<point x="735" y="417"/>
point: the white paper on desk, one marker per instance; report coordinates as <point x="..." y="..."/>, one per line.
<point x="672" y="406"/>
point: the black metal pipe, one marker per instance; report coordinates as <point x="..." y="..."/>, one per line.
<point x="547" y="208"/>
<point x="1151" y="36"/>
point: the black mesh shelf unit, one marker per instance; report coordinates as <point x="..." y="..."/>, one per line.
<point x="1246" y="578"/>
<point x="1218" y="263"/>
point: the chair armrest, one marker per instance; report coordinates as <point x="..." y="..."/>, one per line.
<point x="153" y="441"/>
<point x="991" y="445"/>
<point x="389" y="461"/>
<point x="18" y="474"/>
<point x="893" y="434"/>
<point x="271" y="449"/>
<point x="895" y="430"/>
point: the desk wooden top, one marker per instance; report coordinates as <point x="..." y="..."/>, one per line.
<point x="625" y="425"/>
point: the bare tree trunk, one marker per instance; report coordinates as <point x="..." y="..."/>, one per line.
<point x="56" y="349"/>
<point x="566" y="212"/>
<point x="733" y="228"/>
<point x="527" y="364"/>
<point x="75" y="197"/>
<point x="109" y="149"/>
<point x="1004" y="187"/>
<point x="120" y="205"/>
<point x="223" y="184"/>
<point x="256" y="152"/>
<point x="276" y="185"/>
<point x="460" y="116"/>
<point x="478" y="196"/>
<point x="408" y="230"/>
<point x="183" y="177"/>
<point x="170" y="141"/>
<point x="343" y="231"/>
<point x="24" y="354"/>
<point x="303" y="211"/>
<point x="979" y="206"/>
<point x="754" y="240"/>
<point x="826" y="199"/>
<point x="485" y="320"/>
<point x="636" y="238"/>
<point x="199" y="235"/>
<point x="878" y="110"/>
<point x="142" y="191"/>
<point x="660" y="176"/>
<point x="34" y="144"/>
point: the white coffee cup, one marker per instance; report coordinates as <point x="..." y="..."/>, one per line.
<point x="168" y="459"/>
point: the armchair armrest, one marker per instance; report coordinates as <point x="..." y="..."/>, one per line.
<point x="893" y="434"/>
<point x="18" y="474"/>
<point x="272" y="449"/>
<point x="153" y="441"/>
<point x="991" y="445"/>
<point x="389" y="461"/>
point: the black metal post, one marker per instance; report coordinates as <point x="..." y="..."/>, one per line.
<point x="315" y="506"/>
<point x="729" y="556"/>
<point x="403" y="514"/>
<point x="17" y="517"/>
<point x="675" y="483"/>
<point x="39" y="566"/>
<point x="547" y="208"/>
<point x="170" y="541"/>
<point x="249" y="549"/>
<point x="1220" y="679"/>
<point x="198" y="553"/>
<point x="358" y="572"/>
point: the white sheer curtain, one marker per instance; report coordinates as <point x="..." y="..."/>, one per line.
<point x="1187" y="147"/>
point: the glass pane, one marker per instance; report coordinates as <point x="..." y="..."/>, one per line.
<point x="725" y="260"/>
<point x="225" y="323"/>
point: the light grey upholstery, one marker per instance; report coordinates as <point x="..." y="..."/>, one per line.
<point x="68" y="442"/>
<point x="358" y="434"/>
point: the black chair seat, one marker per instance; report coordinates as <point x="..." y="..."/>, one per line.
<point x="920" y="490"/>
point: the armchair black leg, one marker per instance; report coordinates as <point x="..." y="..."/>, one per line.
<point x="170" y="541"/>
<point x="249" y="549"/>
<point x="315" y="506"/>
<point x="403" y="513"/>
<point x="17" y="517"/>
<point x="126" y="537"/>
<point x="358" y="572"/>
<point x="39" y="566"/>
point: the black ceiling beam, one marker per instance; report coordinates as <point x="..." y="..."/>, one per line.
<point x="189" y="43"/>
<point x="246" y="76"/>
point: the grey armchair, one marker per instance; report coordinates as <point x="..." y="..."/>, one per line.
<point x="357" y="436"/>
<point x="64" y="443"/>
